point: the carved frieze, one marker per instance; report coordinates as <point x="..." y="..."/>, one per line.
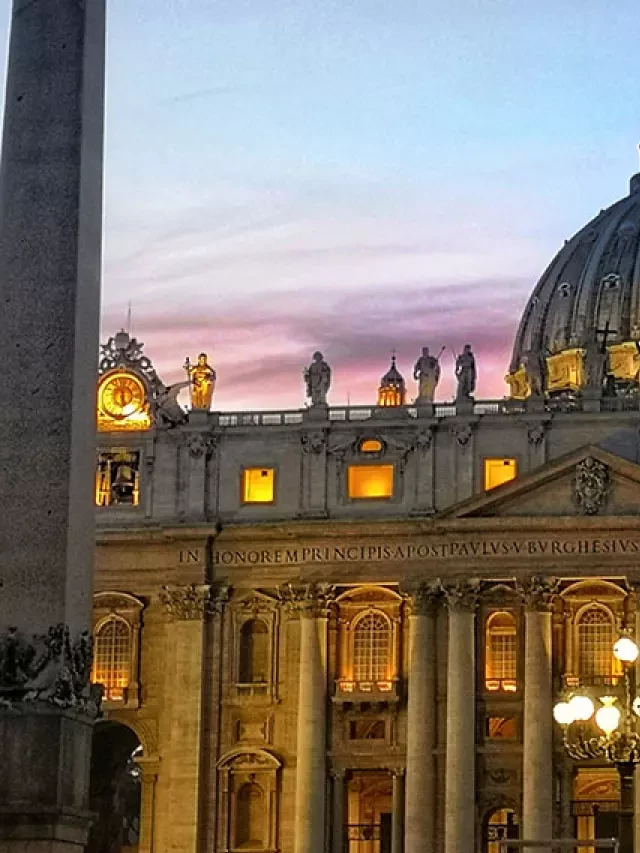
<point x="199" y="444"/>
<point x="591" y="486"/>
<point x="50" y="668"/>
<point x="538" y="593"/>
<point x="193" y="601"/>
<point x="307" y="599"/>
<point x="462" y="596"/>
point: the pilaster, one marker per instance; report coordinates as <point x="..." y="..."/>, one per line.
<point x="314" y="472"/>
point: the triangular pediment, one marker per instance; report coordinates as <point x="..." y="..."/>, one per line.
<point x="587" y="482"/>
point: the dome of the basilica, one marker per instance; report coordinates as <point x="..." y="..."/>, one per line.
<point x="581" y="326"/>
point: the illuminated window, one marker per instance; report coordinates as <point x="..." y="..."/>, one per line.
<point x="254" y="652"/>
<point x="371" y="445"/>
<point x="258" y="485"/>
<point x="112" y="658"/>
<point x="371" y="648"/>
<point x="118" y="478"/>
<point x="500" y="652"/>
<point x="370" y="481"/>
<point x="499" y="471"/>
<point x="595" y="644"/>
<point x="501" y="825"/>
<point x="501" y="727"/>
<point x="250" y="814"/>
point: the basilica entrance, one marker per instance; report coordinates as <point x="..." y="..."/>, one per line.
<point x="596" y="803"/>
<point x="369" y="812"/>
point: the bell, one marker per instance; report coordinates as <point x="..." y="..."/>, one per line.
<point x="124" y="477"/>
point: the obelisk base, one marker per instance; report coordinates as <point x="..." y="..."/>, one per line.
<point x="46" y="753"/>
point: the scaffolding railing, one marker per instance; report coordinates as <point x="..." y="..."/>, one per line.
<point x="504" y="844"/>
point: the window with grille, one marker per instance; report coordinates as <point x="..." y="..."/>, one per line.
<point x="371" y="648"/>
<point x="501" y="652"/>
<point x="595" y="644"/>
<point x="112" y="658"/>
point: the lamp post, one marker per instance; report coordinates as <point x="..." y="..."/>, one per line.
<point x="619" y="742"/>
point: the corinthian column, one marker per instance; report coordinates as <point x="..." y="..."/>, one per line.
<point x="460" y="783"/>
<point x="537" y="793"/>
<point x="421" y="721"/>
<point x="310" y="602"/>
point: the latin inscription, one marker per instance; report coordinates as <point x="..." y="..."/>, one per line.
<point x="485" y="549"/>
<point x="190" y="556"/>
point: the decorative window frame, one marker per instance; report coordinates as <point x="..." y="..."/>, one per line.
<point x="255" y="605"/>
<point x="616" y="666"/>
<point x="241" y="766"/>
<point x="121" y="605"/>
<point x="349" y="454"/>
<point x="488" y="616"/>
<point x="353" y="606"/>
<point x="577" y="598"/>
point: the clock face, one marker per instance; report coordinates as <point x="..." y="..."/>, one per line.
<point x="122" y="395"/>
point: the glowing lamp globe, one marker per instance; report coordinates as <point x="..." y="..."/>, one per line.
<point x="625" y="650"/>
<point x="608" y="717"/>
<point x="581" y="707"/>
<point x="563" y="714"/>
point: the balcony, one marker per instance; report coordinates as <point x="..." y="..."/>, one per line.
<point x="500" y="685"/>
<point x="384" y="692"/>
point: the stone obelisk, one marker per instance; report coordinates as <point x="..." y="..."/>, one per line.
<point x="50" y="259"/>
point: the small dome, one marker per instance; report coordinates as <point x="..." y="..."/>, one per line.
<point x="589" y="296"/>
<point x="392" y="389"/>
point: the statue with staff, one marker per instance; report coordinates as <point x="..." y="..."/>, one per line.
<point x="427" y="373"/>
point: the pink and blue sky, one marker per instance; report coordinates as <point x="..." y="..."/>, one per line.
<point x="352" y="176"/>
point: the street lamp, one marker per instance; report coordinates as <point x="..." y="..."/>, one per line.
<point x="619" y="742"/>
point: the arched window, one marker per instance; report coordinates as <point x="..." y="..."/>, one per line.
<point x="371" y="648"/>
<point x="595" y="644"/>
<point x="250" y="816"/>
<point x="501" y="652"/>
<point x="501" y="824"/>
<point x="112" y="657"/>
<point x="254" y="652"/>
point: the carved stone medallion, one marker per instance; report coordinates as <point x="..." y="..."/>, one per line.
<point x="591" y="486"/>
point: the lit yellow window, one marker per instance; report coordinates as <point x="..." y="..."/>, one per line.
<point x="112" y="658"/>
<point x="500" y="653"/>
<point x="499" y="471"/>
<point x="257" y="485"/>
<point x="371" y="445"/>
<point x="370" y="481"/>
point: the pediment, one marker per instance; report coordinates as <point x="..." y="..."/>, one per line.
<point x="586" y="482"/>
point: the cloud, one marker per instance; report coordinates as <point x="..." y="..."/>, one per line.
<point x="259" y="348"/>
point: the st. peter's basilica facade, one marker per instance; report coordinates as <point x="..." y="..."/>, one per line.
<point x="344" y="629"/>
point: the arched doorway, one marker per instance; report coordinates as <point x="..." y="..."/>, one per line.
<point x="500" y="825"/>
<point x="115" y="789"/>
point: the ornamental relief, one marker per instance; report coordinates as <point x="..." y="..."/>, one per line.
<point x="591" y="487"/>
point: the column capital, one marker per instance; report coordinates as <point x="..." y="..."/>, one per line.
<point x="423" y="596"/>
<point x="397" y="772"/>
<point x="193" y="601"/>
<point x="309" y="600"/>
<point x="462" y="596"/>
<point x="538" y="592"/>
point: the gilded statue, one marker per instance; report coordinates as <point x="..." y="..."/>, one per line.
<point x="318" y="380"/>
<point x="427" y="372"/>
<point x="202" y="379"/>
<point x="466" y="373"/>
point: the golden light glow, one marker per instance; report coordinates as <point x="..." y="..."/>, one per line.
<point x="370" y="481"/>
<point x="391" y="396"/>
<point x="518" y="382"/>
<point x="371" y="445"/>
<point x="258" y="485"/>
<point x="499" y="471"/>
<point x="565" y="370"/>
<point x="122" y="402"/>
<point x="624" y="361"/>
<point x="112" y="658"/>
<point x="500" y="653"/>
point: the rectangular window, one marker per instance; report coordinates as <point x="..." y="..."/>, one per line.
<point x="370" y="481"/>
<point x="118" y="478"/>
<point x="499" y="471"/>
<point x="501" y="727"/>
<point x="258" y="485"/>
